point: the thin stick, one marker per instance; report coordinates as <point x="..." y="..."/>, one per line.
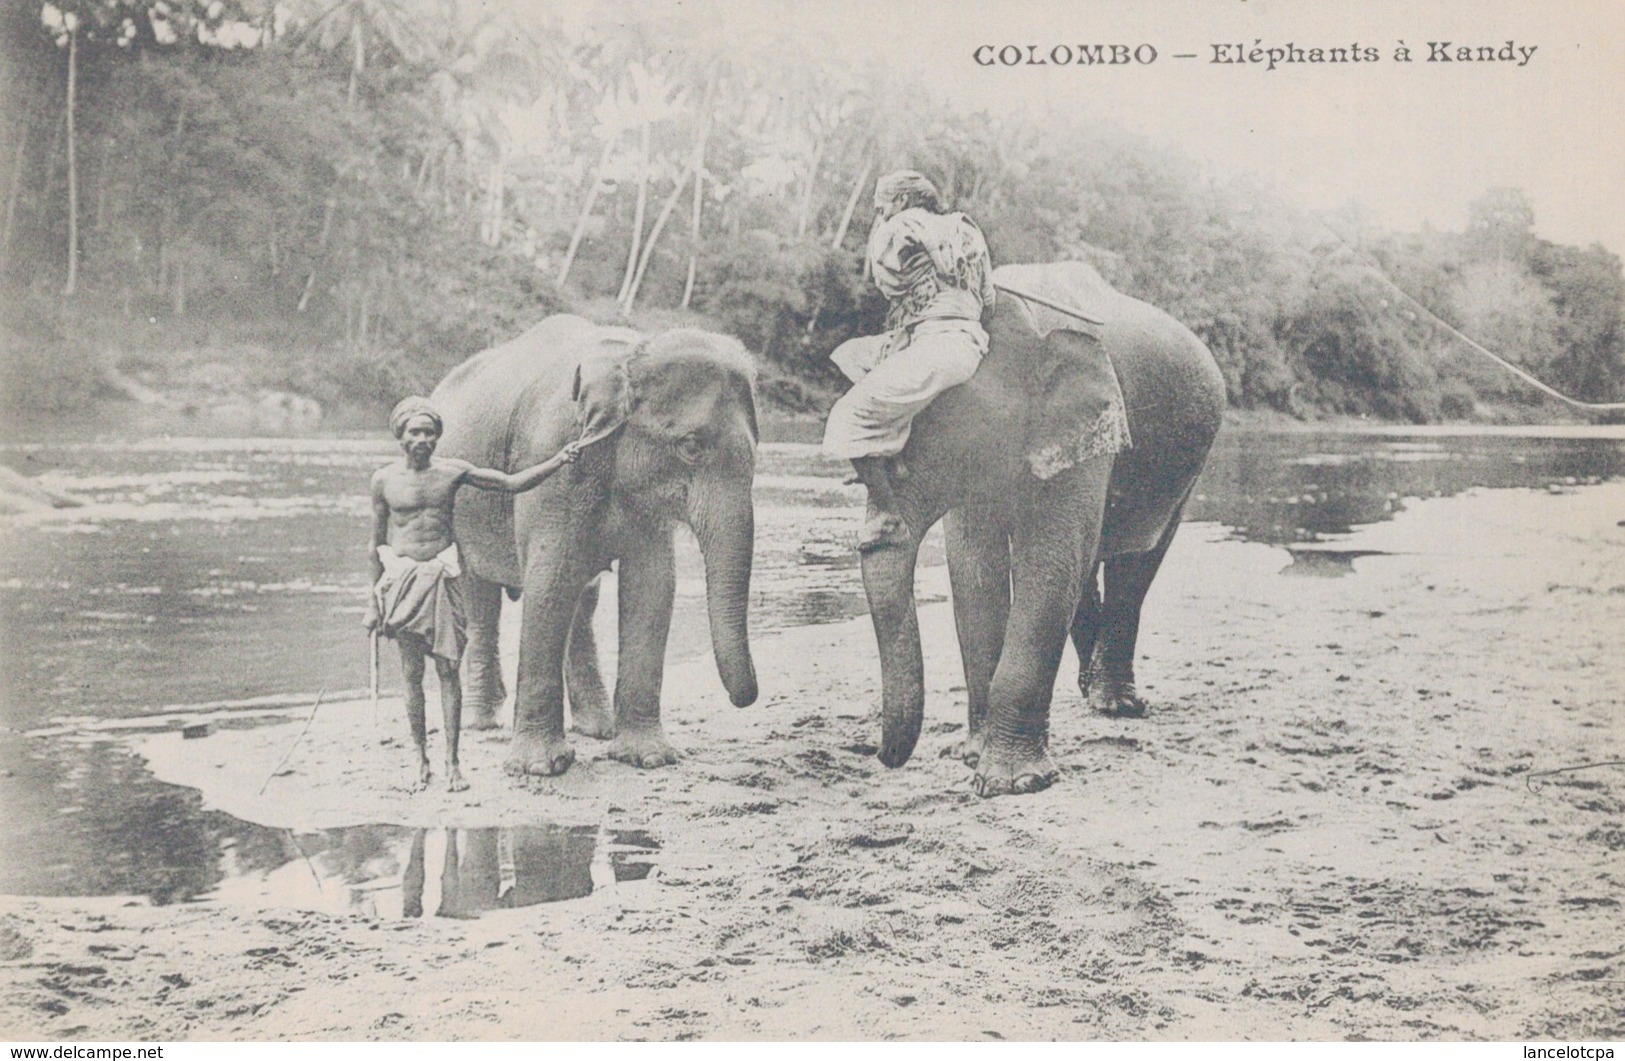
<point x="374" y="680"/>
<point x="294" y="840"/>
<point x="305" y="729"/>
<point x="1527" y="778"/>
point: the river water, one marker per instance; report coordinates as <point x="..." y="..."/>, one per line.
<point x="210" y="571"/>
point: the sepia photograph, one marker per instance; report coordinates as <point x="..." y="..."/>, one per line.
<point x="594" y="520"/>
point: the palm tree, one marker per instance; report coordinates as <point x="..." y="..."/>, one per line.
<point x="654" y="99"/>
<point x="394" y="28"/>
<point x="613" y="115"/>
<point x="73" y="169"/>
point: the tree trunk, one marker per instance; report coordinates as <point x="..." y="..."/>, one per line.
<point x="321" y="244"/>
<point x="699" y="190"/>
<point x="654" y="237"/>
<point x="586" y="212"/>
<point x="694" y="238"/>
<point x="852" y="204"/>
<point x="73" y="169"/>
<point x="805" y="212"/>
<point x="637" y="214"/>
<point x="357" y="63"/>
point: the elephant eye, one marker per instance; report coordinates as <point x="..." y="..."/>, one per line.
<point x="689" y="448"/>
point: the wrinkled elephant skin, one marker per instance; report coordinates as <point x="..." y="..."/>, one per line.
<point x="1035" y="517"/>
<point x="671" y="426"/>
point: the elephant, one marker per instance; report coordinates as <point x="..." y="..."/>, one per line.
<point x="669" y="429"/>
<point x="1041" y="493"/>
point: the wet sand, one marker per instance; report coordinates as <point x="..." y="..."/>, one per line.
<point x="1329" y="827"/>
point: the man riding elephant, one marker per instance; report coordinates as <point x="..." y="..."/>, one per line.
<point x="933" y="267"/>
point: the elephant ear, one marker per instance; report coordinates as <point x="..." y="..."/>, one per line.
<point x="602" y="392"/>
<point x="1080" y="413"/>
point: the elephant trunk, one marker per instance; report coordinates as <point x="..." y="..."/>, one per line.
<point x="888" y="579"/>
<point x="724" y="522"/>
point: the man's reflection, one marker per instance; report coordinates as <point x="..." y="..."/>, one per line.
<point x="490" y="869"/>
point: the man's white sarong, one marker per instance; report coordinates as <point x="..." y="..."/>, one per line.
<point x="895" y="376"/>
<point x="423" y="599"/>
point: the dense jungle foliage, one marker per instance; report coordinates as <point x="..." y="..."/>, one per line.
<point x="343" y="198"/>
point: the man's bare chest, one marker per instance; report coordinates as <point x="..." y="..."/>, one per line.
<point x="411" y="492"/>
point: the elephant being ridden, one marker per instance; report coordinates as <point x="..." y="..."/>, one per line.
<point x="1027" y="462"/>
<point x="676" y="416"/>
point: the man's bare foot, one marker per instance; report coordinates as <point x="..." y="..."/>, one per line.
<point x="424" y="774"/>
<point x="454" y="780"/>
<point x="533" y="753"/>
<point x="882" y="529"/>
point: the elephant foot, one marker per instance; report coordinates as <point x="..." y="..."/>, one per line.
<point x="535" y="754"/>
<point x="1013" y="775"/>
<point x="968" y="751"/>
<point x="596" y="724"/>
<point x="486" y="719"/>
<point x="643" y="748"/>
<point x="1118" y="699"/>
<point x="881" y="530"/>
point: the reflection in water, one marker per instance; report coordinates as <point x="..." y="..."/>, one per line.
<point x="1306" y="487"/>
<point x="394" y="871"/>
<point x="1324" y="563"/>
<point x="85" y="818"/>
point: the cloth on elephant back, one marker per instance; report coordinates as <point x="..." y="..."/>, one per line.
<point x="423" y="599"/>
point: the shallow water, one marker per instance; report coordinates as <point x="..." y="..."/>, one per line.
<point x="208" y="571"/>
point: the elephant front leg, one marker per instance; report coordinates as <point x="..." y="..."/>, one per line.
<point x="589" y="704"/>
<point x="647" y="588"/>
<point x="551" y="589"/>
<point x="483" y="690"/>
<point x="979" y="570"/>
<point x="1053" y="549"/>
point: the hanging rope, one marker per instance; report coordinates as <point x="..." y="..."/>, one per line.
<point x="1370" y="263"/>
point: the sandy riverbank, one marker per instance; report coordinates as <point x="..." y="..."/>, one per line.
<point x="1326" y="828"/>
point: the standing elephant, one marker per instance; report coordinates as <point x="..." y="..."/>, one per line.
<point x="1028" y="462"/>
<point x="676" y="418"/>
